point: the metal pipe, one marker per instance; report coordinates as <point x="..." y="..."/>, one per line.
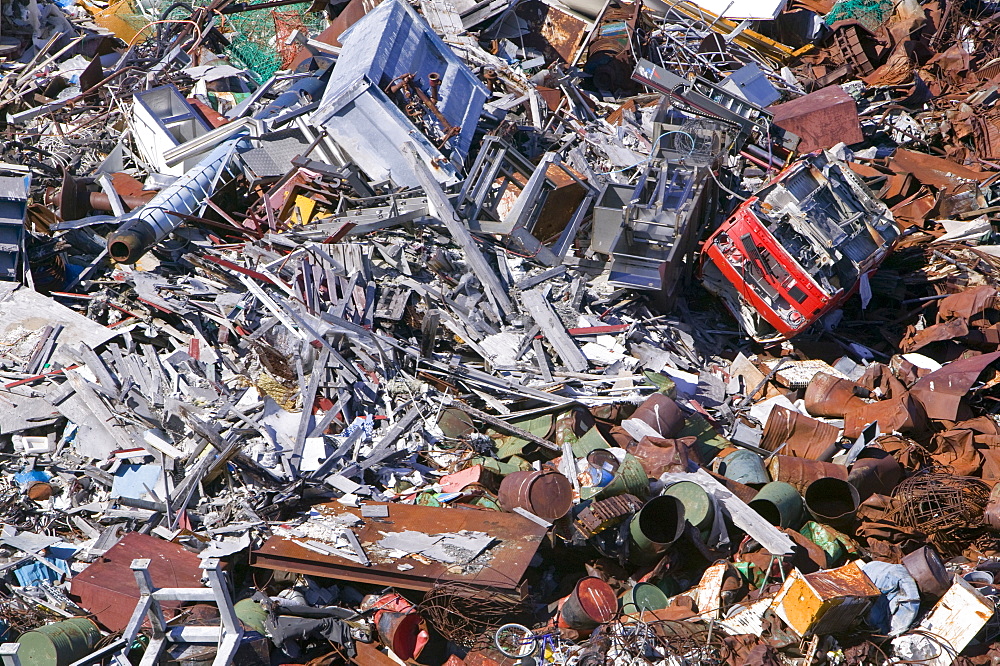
<point x="434" y="81"/>
<point x="150" y="224"/>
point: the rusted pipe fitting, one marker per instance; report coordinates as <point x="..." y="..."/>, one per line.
<point x="434" y="81"/>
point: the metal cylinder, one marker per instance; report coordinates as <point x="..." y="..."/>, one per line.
<point x="434" y="82"/>
<point x="831" y="396"/>
<point x="832" y="502"/>
<point x="803" y="436"/>
<point x="147" y="226"/>
<point x="654" y="527"/>
<point x="251" y="614"/>
<point x="630" y="478"/>
<point x="875" y="472"/>
<point x="698" y="507"/>
<point x="591" y="603"/>
<point x="58" y="644"/>
<point x="780" y="504"/>
<point x="662" y="414"/>
<point x="745" y="467"/>
<point x="992" y="514"/>
<point x="800" y="472"/>
<point x="643" y="597"/>
<point x="547" y="494"/>
<point x="927" y="568"/>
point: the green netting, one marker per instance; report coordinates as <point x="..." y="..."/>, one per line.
<point x="257" y="37"/>
<point x="872" y="14"/>
<point x="259" y="40"/>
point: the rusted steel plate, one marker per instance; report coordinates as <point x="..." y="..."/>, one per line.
<point x="806" y="437"/>
<point x="517" y="539"/>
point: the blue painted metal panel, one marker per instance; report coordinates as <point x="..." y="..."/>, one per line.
<point x="393" y="40"/>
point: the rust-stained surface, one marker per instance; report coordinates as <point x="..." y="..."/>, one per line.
<point x="107" y="588"/>
<point x="941" y="392"/>
<point x="806" y="437"/>
<point x="821" y="119"/>
<point x="517" y="539"/>
<point x="832" y="396"/>
<point x="800" y="472"/>
<point x="557" y="34"/>
<point x="825" y="601"/>
<point x="935" y="171"/>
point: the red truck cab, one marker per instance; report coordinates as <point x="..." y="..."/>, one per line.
<point x="798" y="248"/>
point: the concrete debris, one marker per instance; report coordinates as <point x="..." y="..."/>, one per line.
<point x="501" y="332"/>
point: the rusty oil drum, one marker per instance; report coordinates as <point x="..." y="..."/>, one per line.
<point x="547" y="494"/>
<point x="592" y="603"/>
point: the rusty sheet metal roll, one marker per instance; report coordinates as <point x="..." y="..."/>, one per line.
<point x="800" y="472"/>
<point x="875" y="472"/>
<point x="832" y="396"/>
<point x="662" y="414"/>
<point x="806" y="437"/>
<point x="547" y="494"/>
<point x="832" y="502"/>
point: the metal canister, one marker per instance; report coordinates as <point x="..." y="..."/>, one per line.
<point x="780" y="504"/>
<point x="591" y="603"/>
<point x="745" y="467"/>
<point x="832" y="396"/>
<point x="698" y="507"/>
<point x="927" y="568"/>
<point x="832" y="502"/>
<point x="654" y="527"/>
<point x="59" y="643"/>
<point x="800" y="472"/>
<point x="643" y="597"/>
<point x="547" y="494"/>
<point x="630" y="478"/>
<point x="662" y="414"/>
<point x="251" y="614"/>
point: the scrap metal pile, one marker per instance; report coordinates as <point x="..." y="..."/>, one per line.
<point x="503" y="332"/>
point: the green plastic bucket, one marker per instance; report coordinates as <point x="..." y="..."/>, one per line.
<point x="643" y="597"/>
<point x="251" y="615"/>
<point x="58" y="644"/>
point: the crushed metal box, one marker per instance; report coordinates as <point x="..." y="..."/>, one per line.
<point x="825" y="602"/>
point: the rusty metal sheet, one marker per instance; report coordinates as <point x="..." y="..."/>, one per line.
<point x="806" y="437"/>
<point x="820" y="119"/>
<point x="936" y="171"/>
<point x="107" y="588"/>
<point x="557" y="34"/>
<point x="941" y="391"/>
<point x="517" y="539"/>
<point x="967" y="302"/>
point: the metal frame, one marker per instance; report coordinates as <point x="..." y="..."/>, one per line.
<point x="227" y="635"/>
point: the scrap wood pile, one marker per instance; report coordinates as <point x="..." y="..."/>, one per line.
<point x="525" y="331"/>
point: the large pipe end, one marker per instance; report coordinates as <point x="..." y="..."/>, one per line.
<point x="128" y="243"/>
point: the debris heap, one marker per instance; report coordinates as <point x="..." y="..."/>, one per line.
<point x="581" y="332"/>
